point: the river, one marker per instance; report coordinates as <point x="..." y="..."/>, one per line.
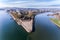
<point x="44" y="28"/>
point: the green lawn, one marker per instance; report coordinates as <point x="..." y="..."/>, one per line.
<point x="55" y="21"/>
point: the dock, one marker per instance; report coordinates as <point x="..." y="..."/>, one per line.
<point x="26" y="24"/>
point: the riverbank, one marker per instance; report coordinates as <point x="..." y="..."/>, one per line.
<point x="55" y="22"/>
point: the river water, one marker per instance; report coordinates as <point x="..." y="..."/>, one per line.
<point x="44" y="28"/>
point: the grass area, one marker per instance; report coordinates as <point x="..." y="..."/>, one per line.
<point x="55" y="21"/>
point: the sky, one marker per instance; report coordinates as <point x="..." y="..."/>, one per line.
<point x="29" y="3"/>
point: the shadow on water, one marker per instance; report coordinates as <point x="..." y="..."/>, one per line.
<point x="33" y="26"/>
